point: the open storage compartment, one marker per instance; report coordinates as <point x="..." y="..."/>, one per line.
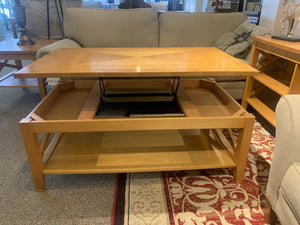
<point x="213" y="131"/>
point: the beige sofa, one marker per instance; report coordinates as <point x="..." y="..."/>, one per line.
<point x="146" y="28"/>
<point x="283" y="189"/>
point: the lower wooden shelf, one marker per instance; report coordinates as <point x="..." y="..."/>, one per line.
<point x="10" y="81"/>
<point x="273" y="84"/>
<point x="135" y="151"/>
<point x="264" y="110"/>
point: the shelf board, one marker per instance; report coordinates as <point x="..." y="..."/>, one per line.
<point x="136" y="151"/>
<point x="10" y="81"/>
<point x="264" y="110"/>
<point x="272" y="84"/>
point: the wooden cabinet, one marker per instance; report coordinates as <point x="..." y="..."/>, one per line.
<point x="278" y="62"/>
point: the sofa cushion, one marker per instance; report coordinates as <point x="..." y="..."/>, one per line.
<point x="178" y="29"/>
<point x="289" y="196"/>
<point x="234" y="88"/>
<point x="287" y="143"/>
<point x="112" y="28"/>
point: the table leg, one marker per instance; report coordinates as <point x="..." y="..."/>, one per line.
<point x="19" y="64"/>
<point x="247" y="91"/>
<point x="34" y="154"/>
<point x="5" y="64"/>
<point x="2" y="65"/>
<point x="40" y="81"/>
<point x="42" y="87"/>
<point x="241" y="154"/>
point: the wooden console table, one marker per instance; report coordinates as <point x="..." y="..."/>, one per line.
<point x="279" y="75"/>
<point x="9" y="50"/>
<point x="78" y="140"/>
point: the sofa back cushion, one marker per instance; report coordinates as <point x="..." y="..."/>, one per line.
<point x="112" y="28"/>
<point x="178" y="29"/>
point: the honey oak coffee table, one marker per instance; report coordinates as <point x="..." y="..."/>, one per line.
<point x="169" y="118"/>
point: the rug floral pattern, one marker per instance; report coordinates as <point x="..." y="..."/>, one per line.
<point x="211" y="197"/>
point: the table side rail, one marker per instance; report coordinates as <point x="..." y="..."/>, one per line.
<point x="123" y="124"/>
<point x="294" y="57"/>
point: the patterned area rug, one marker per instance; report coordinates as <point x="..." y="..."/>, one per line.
<point x="207" y="197"/>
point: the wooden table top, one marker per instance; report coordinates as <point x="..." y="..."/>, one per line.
<point x="10" y="46"/>
<point x="285" y="45"/>
<point x="137" y="62"/>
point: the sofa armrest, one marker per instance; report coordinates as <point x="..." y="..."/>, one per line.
<point x="64" y="43"/>
<point x="287" y="144"/>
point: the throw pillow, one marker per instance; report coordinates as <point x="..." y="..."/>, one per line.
<point x="238" y="43"/>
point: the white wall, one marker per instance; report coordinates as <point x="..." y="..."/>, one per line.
<point x="269" y="14"/>
<point x="199" y="4"/>
<point x="36" y="17"/>
<point x="204" y="5"/>
<point x="272" y="12"/>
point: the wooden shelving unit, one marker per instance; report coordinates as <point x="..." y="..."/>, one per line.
<point x="214" y="132"/>
<point x="279" y="72"/>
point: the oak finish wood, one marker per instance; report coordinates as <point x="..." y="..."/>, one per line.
<point x="133" y="152"/>
<point x="51" y="147"/>
<point x="87" y="145"/>
<point x="273" y="84"/>
<point x="273" y="50"/>
<point x="10" y="50"/>
<point x="8" y="80"/>
<point x="264" y="110"/>
<point x="34" y="154"/>
<point x="91" y="104"/>
<point x="137" y="62"/>
<point x="289" y="47"/>
<point x="106" y="145"/>
<point x="11" y="82"/>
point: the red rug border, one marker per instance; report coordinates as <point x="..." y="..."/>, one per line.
<point x="118" y="211"/>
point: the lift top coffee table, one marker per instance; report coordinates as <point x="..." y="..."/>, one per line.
<point x="136" y="110"/>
